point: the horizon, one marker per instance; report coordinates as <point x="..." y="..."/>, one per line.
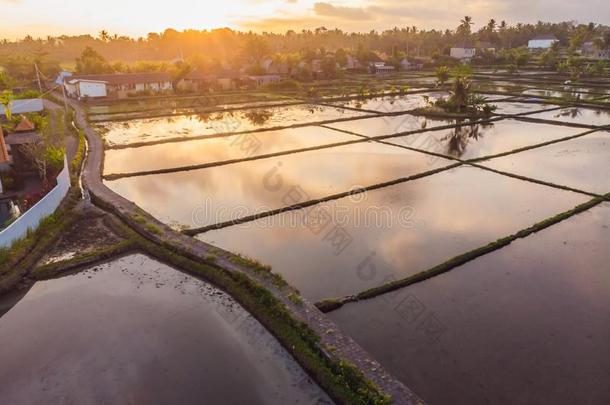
<point x="26" y="17"/>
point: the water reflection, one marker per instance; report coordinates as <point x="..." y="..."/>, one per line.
<point x="210" y="150"/>
<point x="152" y="129"/>
<point x="457" y="140"/>
<point x="479" y="140"/>
<point x="219" y="194"/>
<point x="580" y="163"/>
<point x="144" y="333"/>
<point x="392" y="232"/>
<point x="394" y="103"/>
<point x="532" y="318"/>
<point x="379" y="126"/>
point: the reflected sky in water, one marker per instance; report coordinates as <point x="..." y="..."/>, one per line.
<point x="589" y="116"/>
<point x="582" y="163"/>
<point x="509" y="107"/>
<point x="474" y="141"/>
<point x="144" y="333"/>
<point x="154" y="129"/>
<point x="388" y="104"/>
<point x="217" y="194"/>
<point x="200" y="151"/>
<point x="378" y="126"/>
<point x="533" y="314"/>
<point x="402" y="229"/>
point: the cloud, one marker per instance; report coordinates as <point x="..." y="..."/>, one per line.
<point x="346" y="13"/>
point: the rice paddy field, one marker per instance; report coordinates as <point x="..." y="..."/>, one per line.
<point x="469" y="256"/>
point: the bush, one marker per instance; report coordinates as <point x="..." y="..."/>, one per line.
<point x="288" y="84"/>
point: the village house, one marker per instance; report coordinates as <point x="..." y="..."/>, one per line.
<point x="542" y="42"/>
<point x="589" y="50"/>
<point x="273" y="67"/>
<point x="16" y="143"/>
<point x="464" y="52"/>
<point x="486" y="46"/>
<point x="227" y="80"/>
<point x="352" y="63"/>
<point x="381" y="68"/>
<point x="196" y="81"/>
<point x="411" y="64"/>
<point x="118" y="85"/>
<point x="261" y="80"/>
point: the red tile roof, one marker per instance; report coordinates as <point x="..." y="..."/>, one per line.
<point x="25" y="125"/>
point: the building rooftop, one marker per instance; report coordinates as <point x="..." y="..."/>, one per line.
<point x="464" y="45"/>
<point x="25" y="125"/>
<point x="124" y="78"/>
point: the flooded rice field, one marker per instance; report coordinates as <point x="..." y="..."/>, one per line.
<point x="479" y="140"/>
<point x="227" y="193"/>
<point x="575" y="115"/>
<point x="137" y="331"/>
<point x="389" y="104"/>
<point x="527" y="324"/>
<point x="202" y="151"/>
<point x="210" y="124"/>
<point x="388" y="125"/>
<point x="393" y="232"/>
<point x="515" y="107"/>
<point x="581" y="163"/>
<point x="520" y="325"/>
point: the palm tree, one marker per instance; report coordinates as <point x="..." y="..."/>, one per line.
<point x="491" y="25"/>
<point x="104" y="36"/>
<point x="465" y="24"/>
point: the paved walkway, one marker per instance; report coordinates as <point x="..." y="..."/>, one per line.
<point x="331" y="336"/>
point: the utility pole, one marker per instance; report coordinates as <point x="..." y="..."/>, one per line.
<point x="63" y="92"/>
<point x="38" y="78"/>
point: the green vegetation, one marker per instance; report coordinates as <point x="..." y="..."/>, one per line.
<point x="295" y="299"/>
<point x="442" y="75"/>
<point x="462" y="99"/>
<point x="24" y="253"/>
<point x="55" y="269"/>
<point x="5" y="99"/>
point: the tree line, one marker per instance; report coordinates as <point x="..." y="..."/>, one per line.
<point x="224" y="48"/>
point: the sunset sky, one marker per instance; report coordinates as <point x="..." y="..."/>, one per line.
<point x="137" y="18"/>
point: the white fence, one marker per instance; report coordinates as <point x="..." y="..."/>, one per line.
<point x="25" y="105"/>
<point x="43" y="208"/>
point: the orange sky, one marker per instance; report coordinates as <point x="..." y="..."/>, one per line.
<point x="137" y="17"/>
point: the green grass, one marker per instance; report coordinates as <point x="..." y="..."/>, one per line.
<point x="53" y="270"/>
<point x="23" y="254"/>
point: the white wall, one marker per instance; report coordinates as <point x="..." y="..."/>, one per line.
<point x="42" y="209"/>
<point x="541" y="43"/>
<point x="25" y="105"/>
<point x="462" y="53"/>
<point x="92" y="89"/>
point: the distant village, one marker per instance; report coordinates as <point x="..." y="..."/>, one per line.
<point x="270" y="71"/>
